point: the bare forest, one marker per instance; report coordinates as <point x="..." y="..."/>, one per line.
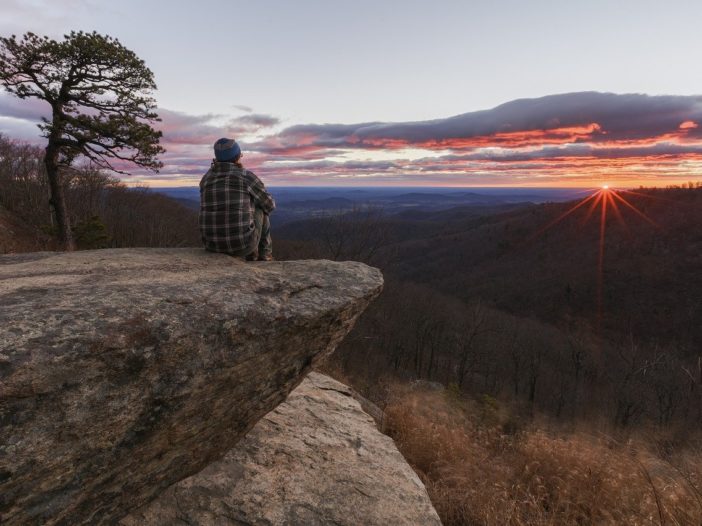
<point x="104" y="212"/>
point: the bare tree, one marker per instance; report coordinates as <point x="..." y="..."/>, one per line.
<point x="357" y="234"/>
<point x="467" y="357"/>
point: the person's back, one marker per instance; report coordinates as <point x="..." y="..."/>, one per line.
<point x="234" y="207"/>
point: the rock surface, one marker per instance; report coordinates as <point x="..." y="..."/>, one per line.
<point x="317" y="459"/>
<point x="125" y="371"/>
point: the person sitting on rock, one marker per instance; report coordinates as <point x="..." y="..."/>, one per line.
<point x="234" y="207"/>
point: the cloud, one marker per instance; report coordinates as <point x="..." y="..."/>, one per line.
<point x="571" y="138"/>
<point x="19" y="117"/>
<point x="188" y="138"/>
<point x="254" y="122"/>
<point x="183" y="128"/>
<point x="555" y="119"/>
<point x="27" y="109"/>
<point x="21" y="130"/>
<point x="658" y="150"/>
<point x="241" y="107"/>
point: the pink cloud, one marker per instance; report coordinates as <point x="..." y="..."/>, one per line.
<point x="566" y="138"/>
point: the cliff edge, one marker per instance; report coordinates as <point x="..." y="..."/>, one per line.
<point x="125" y="371"/>
<point x="316" y="459"/>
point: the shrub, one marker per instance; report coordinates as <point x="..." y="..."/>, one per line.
<point x="476" y="473"/>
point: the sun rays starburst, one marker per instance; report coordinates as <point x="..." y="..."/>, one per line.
<point x="608" y="201"/>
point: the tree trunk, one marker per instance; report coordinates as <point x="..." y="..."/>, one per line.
<point x="57" y="199"/>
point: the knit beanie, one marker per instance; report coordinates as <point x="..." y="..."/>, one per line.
<point x="226" y="149"/>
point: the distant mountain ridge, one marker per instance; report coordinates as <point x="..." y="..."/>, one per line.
<point x="300" y="203"/>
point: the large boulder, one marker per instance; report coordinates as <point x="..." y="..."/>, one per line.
<point x="316" y="459"/>
<point x="124" y="371"/>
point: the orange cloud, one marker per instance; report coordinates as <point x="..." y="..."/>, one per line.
<point x="569" y="139"/>
<point x="515" y="139"/>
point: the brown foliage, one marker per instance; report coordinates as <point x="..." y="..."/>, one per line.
<point x="479" y="469"/>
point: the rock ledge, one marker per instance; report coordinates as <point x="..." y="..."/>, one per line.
<point x="316" y="459"/>
<point x="125" y="371"/>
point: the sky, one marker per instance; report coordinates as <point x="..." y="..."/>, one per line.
<point x="406" y="93"/>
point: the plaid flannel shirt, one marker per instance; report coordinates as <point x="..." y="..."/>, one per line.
<point x="228" y="196"/>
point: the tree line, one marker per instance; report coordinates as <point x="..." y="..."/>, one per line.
<point x="479" y="350"/>
<point x="103" y="212"/>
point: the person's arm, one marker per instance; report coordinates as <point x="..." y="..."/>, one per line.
<point x="262" y="199"/>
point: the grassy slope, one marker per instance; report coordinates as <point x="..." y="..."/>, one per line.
<point x="481" y="469"/>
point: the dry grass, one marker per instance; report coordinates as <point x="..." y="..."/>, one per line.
<point x="480" y="468"/>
